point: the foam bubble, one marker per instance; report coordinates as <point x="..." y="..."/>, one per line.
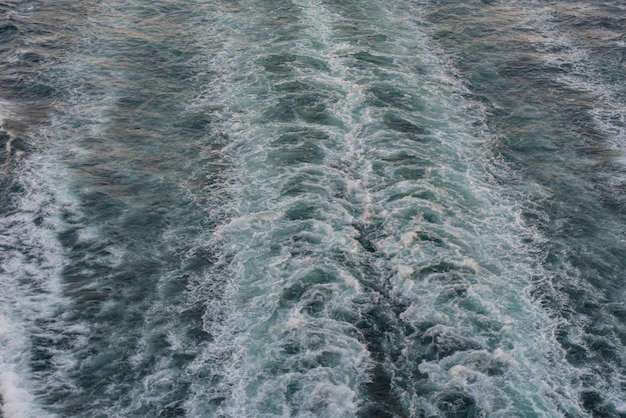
<point x="15" y="400"/>
<point x="295" y="330"/>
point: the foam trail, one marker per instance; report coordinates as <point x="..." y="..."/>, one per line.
<point x="561" y="152"/>
<point x="340" y="232"/>
<point x="314" y="208"/>
<point x="16" y="400"/>
<point x="129" y="199"/>
<point x="30" y="269"/>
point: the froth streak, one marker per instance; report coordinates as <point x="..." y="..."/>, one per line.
<point x="12" y="397"/>
<point x="15" y="400"/>
<point x="290" y="209"/>
<point x="386" y="188"/>
<point x="561" y="149"/>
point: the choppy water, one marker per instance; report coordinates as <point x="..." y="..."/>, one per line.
<point x="313" y="208"/>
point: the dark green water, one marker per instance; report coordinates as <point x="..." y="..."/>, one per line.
<point x="312" y="208"/>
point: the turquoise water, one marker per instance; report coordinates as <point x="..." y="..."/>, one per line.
<point x="312" y="208"/>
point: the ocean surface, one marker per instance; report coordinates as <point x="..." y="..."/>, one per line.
<point x="313" y="208"/>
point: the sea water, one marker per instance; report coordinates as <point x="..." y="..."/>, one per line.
<point x="312" y="208"/>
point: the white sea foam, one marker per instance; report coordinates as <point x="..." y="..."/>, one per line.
<point x="31" y="264"/>
<point x="16" y="402"/>
<point x="439" y="255"/>
<point x="261" y="278"/>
